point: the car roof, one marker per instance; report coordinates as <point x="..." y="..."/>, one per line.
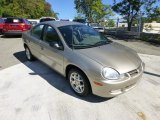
<point x="62" y="23"/>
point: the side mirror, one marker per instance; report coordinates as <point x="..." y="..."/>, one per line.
<point x="56" y="45"/>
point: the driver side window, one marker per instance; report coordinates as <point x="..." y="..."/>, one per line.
<point x="50" y="35"/>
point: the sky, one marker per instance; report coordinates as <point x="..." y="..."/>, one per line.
<point x="66" y="9"/>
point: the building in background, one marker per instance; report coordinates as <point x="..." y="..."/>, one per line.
<point x="153" y="27"/>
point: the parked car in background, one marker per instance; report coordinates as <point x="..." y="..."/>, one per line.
<point x="97" y="27"/>
<point x="89" y="61"/>
<point x="15" y="26"/>
<point x="43" y="19"/>
<point x="33" y="21"/>
<point x="81" y="21"/>
<point x="64" y="20"/>
<point x="1" y="25"/>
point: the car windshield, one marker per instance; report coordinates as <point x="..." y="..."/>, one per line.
<point x="82" y="36"/>
<point x="14" y="20"/>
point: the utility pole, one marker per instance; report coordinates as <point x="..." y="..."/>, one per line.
<point x="139" y="24"/>
<point x="117" y="25"/>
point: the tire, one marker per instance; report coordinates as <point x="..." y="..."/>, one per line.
<point x="29" y="55"/>
<point x="79" y="85"/>
<point x="5" y="36"/>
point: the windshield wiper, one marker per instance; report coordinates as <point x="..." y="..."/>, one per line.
<point x="82" y="46"/>
<point x="102" y="43"/>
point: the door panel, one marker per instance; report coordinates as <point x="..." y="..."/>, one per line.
<point x="36" y="38"/>
<point x="52" y="57"/>
<point x="34" y="46"/>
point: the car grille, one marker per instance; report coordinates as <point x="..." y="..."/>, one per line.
<point x="135" y="72"/>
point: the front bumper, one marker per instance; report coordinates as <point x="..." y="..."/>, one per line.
<point x="109" y="88"/>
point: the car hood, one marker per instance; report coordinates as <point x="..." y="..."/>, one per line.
<point x="114" y="55"/>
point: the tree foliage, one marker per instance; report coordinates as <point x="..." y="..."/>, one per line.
<point x="130" y="8"/>
<point x="26" y="8"/>
<point x="110" y="23"/>
<point x="154" y="15"/>
<point x="93" y="10"/>
<point x="79" y="16"/>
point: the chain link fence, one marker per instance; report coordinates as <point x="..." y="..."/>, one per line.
<point x="120" y="28"/>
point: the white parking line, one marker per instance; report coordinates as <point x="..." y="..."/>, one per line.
<point x="32" y="91"/>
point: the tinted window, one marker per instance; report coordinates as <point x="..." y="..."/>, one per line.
<point x="47" y="19"/>
<point x="37" y="31"/>
<point x="14" y="20"/>
<point x="51" y="35"/>
<point x="80" y="20"/>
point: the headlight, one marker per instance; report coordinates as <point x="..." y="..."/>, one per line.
<point x="109" y="73"/>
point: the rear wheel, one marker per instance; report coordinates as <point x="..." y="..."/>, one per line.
<point x="79" y="82"/>
<point x="29" y="55"/>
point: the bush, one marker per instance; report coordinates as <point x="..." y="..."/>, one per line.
<point x="150" y="37"/>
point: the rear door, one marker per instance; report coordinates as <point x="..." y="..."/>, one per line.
<point x="35" y="39"/>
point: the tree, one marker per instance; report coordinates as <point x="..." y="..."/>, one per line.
<point x="110" y="23"/>
<point x="93" y="10"/>
<point x="79" y="16"/>
<point x="130" y="8"/>
<point x="26" y="8"/>
<point x="154" y="15"/>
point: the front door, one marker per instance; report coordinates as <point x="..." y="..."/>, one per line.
<point x="51" y="55"/>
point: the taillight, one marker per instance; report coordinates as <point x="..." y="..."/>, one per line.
<point x="25" y="27"/>
<point x="5" y="27"/>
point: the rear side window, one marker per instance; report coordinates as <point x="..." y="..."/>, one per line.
<point x="14" y="20"/>
<point x="37" y="31"/>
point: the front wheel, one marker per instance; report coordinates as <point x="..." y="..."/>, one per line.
<point x="79" y="82"/>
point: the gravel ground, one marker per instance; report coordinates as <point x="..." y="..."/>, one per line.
<point x="140" y="46"/>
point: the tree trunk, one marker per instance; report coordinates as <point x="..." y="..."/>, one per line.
<point x="129" y="26"/>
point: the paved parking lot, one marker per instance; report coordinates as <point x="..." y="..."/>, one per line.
<point x="9" y="46"/>
<point x="140" y="46"/>
<point x="32" y="91"/>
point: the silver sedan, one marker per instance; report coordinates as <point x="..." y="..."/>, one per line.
<point x="90" y="62"/>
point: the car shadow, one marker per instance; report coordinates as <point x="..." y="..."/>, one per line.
<point x="153" y="74"/>
<point x="11" y="36"/>
<point x="53" y="78"/>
